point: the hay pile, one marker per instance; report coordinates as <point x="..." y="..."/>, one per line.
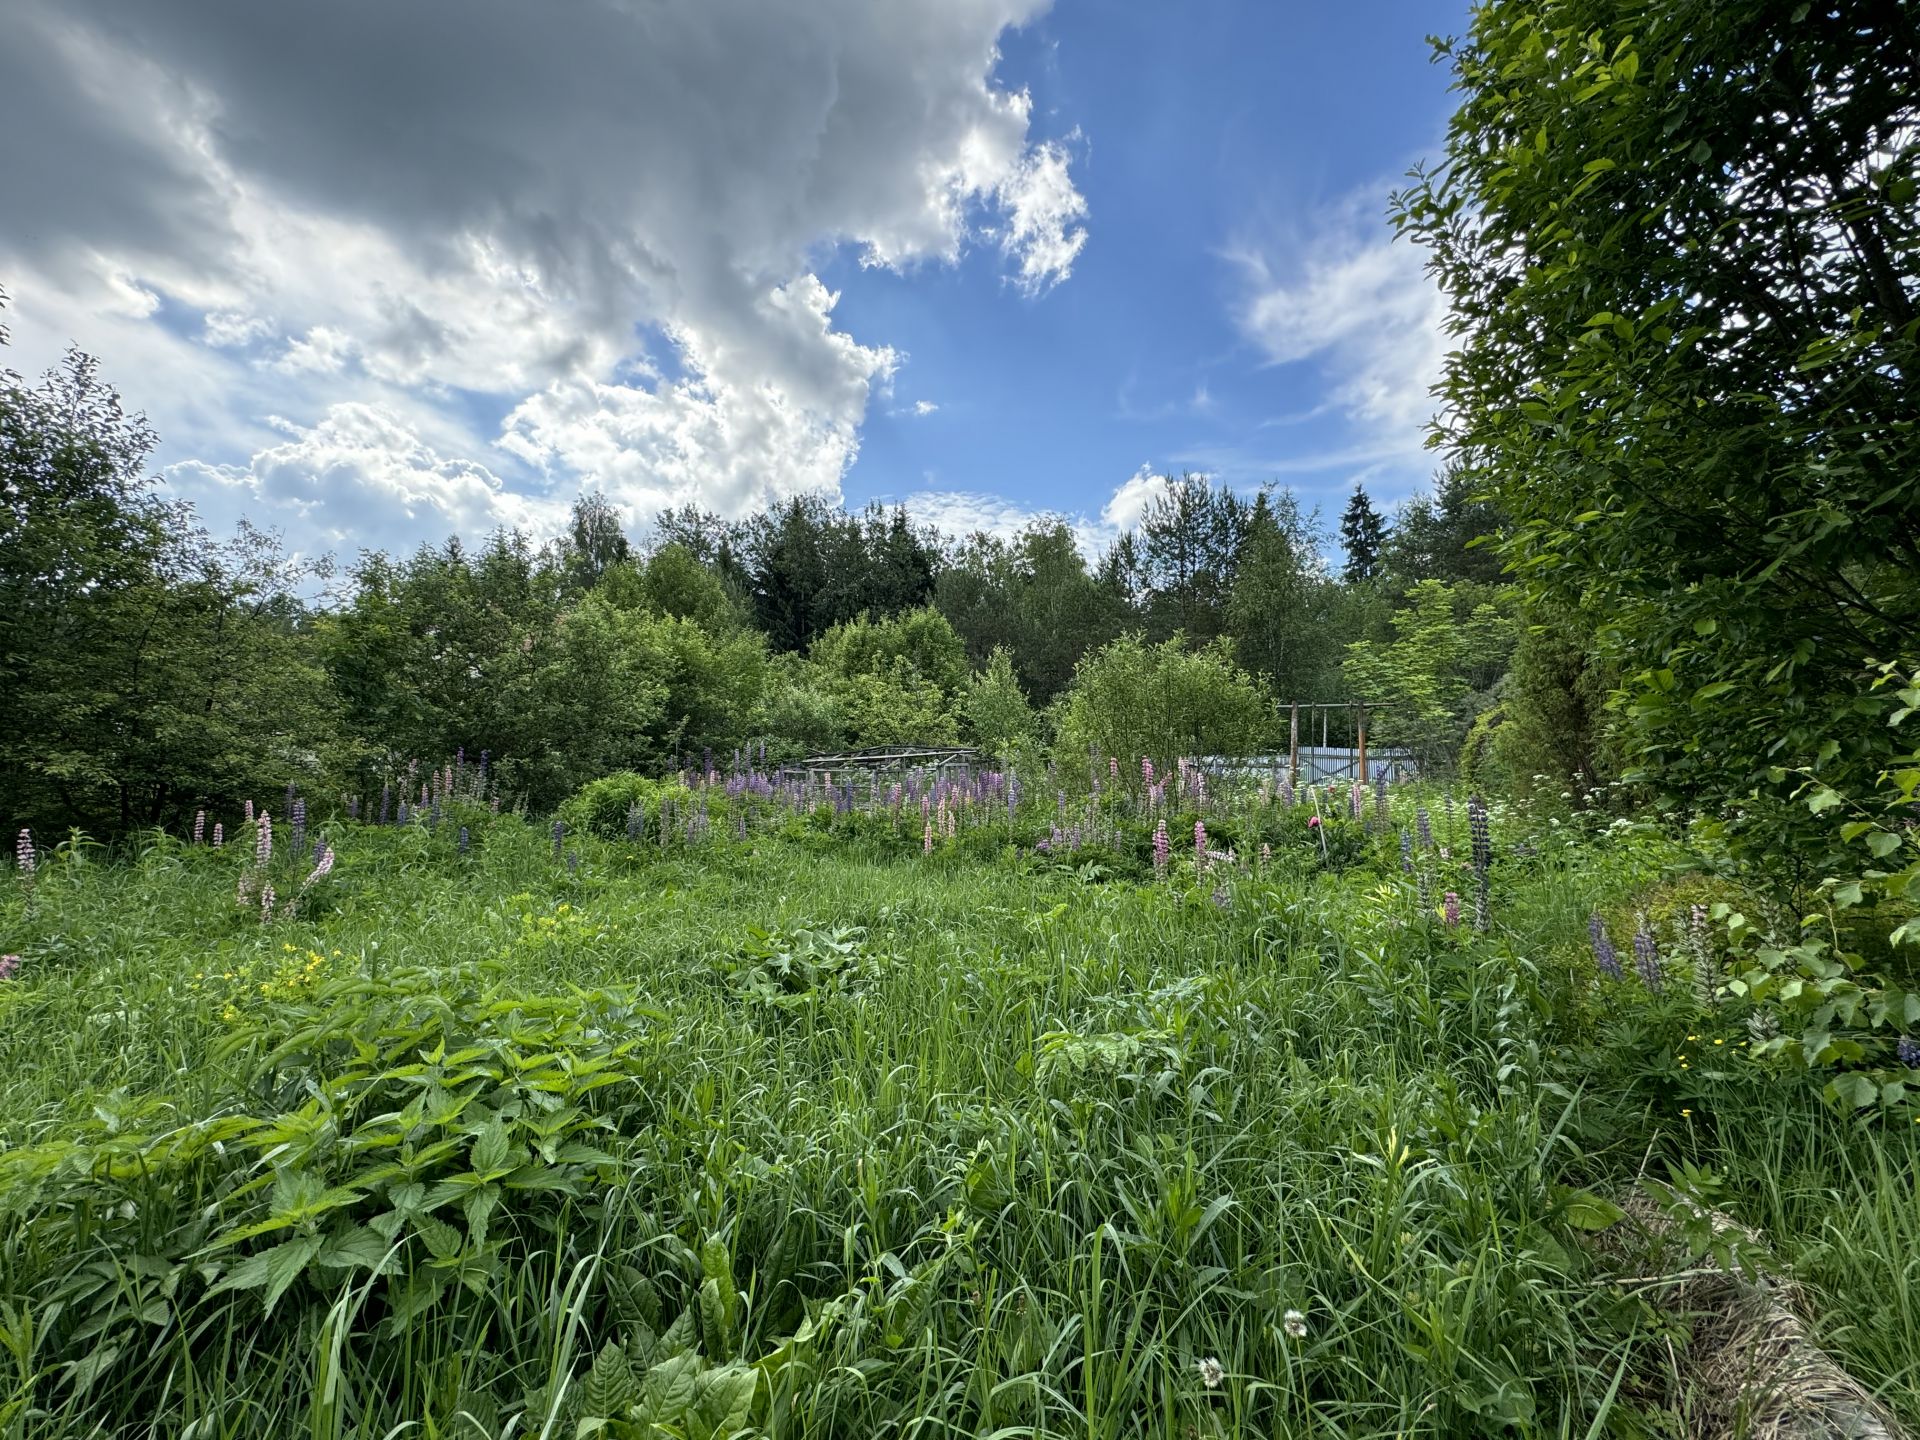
<point x="1753" y="1370"/>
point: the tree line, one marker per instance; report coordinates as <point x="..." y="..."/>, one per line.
<point x="149" y="669"/>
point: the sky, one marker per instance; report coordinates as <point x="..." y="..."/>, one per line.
<point x="380" y="273"/>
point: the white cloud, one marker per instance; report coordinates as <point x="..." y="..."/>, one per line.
<point x="924" y="407"/>
<point x="966" y="512"/>
<point x="1129" y="502"/>
<point x="604" y="220"/>
<point x="1358" y="303"/>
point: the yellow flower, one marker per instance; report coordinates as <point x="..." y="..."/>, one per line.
<point x="1686" y="1112"/>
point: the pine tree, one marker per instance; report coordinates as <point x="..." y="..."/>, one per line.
<point x="1363" y="533"/>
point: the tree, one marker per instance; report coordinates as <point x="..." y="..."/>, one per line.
<point x="1190" y="538"/>
<point x="595" y="542"/>
<point x="1280" y="611"/>
<point x="998" y="718"/>
<point x="1451" y="535"/>
<point x="1682" y="250"/>
<point x="1164" y="701"/>
<point x="1362" y="533"/>
<point x="1433" y="677"/>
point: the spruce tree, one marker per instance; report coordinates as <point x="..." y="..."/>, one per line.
<point x="1363" y="533"/>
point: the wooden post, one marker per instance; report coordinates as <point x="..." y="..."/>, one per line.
<point x="1293" y="748"/>
<point x="1363" y="745"/>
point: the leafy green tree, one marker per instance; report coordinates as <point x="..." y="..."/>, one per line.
<point x="1190" y="537"/>
<point x="1133" y="699"/>
<point x="1363" y="534"/>
<point x="998" y="717"/>
<point x="1451" y="535"/>
<point x="144" y="670"/>
<point x="595" y="541"/>
<point x="920" y="641"/>
<point x="1433" y="676"/>
<point x="1682" y="250"/>
<point x="1281" y="611"/>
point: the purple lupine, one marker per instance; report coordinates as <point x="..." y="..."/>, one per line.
<point x="464" y="841"/>
<point x="353" y="807"/>
<point x="1646" y="959"/>
<point x="219" y="834"/>
<point x="403" y="814"/>
<point x="199" y="825"/>
<point x="1423" y="826"/>
<point x="1406" y="852"/>
<point x="1604" y="954"/>
<point x="636" y="820"/>
<point x="1286" y="793"/>
<point x="1480" y="824"/>
<point x="559" y="837"/>
<point x="1161" y="847"/>
<point x="1200" y="844"/>
<point x="1222" y="898"/>
<point x="287" y="809"/>
<point x="1906" y="1050"/>
<point x="299" y="810"/>
<point x="1700" y="943"/>
<point x="386" y="802"/>
<point x="433" y="813"/>
<point x="322" y="867"/>
<point x="1452" y="908"/>
<point x="263" y="840"/>
<point x="1380" y="796"/>
<point x="573" y="862"/>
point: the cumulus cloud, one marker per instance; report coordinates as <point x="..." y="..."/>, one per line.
<point x="1357" y="301"/>
<point x="603" y="218"/>
<point x="967" y="512"/>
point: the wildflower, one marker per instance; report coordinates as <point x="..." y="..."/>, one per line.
<point x="1146" y="770"/>
<point x="1266" y="855"/>
<point x="1161" y="846"/>
<point x="1423" y="824"/>
<point x="1907" y="1050"/>
<point x="1200" y="844"/>
<point x="322" y="867"/>
<point x="266" y="903"/>
<point x="1313" y="822"/>
<point x="249" y="810"/>
<point x="23" y="853"/>
<point x="219" y="834"/>
<point x="199" y="825"/>
<point x="1646" y="959"/>
<point x="1212" y="1372"/>
<point x="1604" y="954"/>
<point x="1452" y="908"/>
<point x="1406" y="852"/>
<point x="1222" y="898"/>
<point x="463" y="842"/>
<point x="559" y="837"/>
<point x="263" y="840"/>
<point x="1295" y="1324"/>
<point x="8" y="964"/>
<point x="926" y="839"/>
<point x="1479" y="825"/>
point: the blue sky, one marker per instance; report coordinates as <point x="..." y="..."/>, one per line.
<point x="988" y="257"/>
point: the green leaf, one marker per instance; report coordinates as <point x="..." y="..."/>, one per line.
<point x="1882" y="843"/>
<point x="274" y="1269"/>
<point x="611" y="1388"/>
<point x="356" y="1248"/>
<point x="1587" y="1211"/>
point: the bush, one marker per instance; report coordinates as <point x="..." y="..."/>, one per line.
<point x="600" y="807"/>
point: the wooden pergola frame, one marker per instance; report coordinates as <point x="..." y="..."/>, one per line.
<point x="1357" y="708"/>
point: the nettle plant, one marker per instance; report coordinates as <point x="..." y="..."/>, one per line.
<point x="1826" y="1007"/>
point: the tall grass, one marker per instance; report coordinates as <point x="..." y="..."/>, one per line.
<point x="972" y="1145"/>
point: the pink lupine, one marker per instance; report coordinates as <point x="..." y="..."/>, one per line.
<point x="1146" y="769"/>
<point x="1200" y="844"/>
<point x="199" y="825"/>
<point x="953" y="824"/>
<point x="926" y="839"/>
<point x="8" y="964"/>
<point x="219" y="834"/>
<point x="1452" y="908"/>
<point x="263" y="840"/>
<point x="23" y="853"/>
<point x="1113" y="767"/>
<point x="322" y="866"/>
<point x="249" y="812"/>
<point x="266" y="903"/>
<point x="1266" y="856"/>
<point x="1161" y="847"/>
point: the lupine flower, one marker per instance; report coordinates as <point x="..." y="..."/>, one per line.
<point x="1406" y="852"/>
<point x="1212" y="1372"/>
<point x="1200" y="844"/>
<point x="1604" y="954"/>
<point x="263" y="840"/>
<point x="1424" y="882"/>
<point x="8" y="964"/>
<point x="1423" y="824"/>
<point x="926" y="839"/>
<point x="1146" y="770"/>
<point x="219" y="834"/>
<point x="1295" y="1324"/>
<point x="1479" y="824"/>
<point x="1266" y="855"/>
<point x="573" y="862"/>
<point x="299" y="809"/>
<point x="266" y="903"/>
<point x="1646" y="959"/>
<point x="23" y="853"/>
<point x="1222" y="898"/>
<point x="199" y="825"/>
<point x="1113" y="767"/>
<point x="322" y="867"/>
<point x="1906" y="1049"/>
<point x="559" y="837"/>
<point x="1452" y="908"/>
<point x="636" y="820"/>
<point x="404" y="813"/>
<point x="1161" y="848"/>
<point x="463" y="842"/>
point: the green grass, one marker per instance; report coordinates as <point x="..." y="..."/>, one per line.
<point x="1012" y="1149"/>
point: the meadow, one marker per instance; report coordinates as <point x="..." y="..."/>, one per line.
<point x="734" y="1111"/>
